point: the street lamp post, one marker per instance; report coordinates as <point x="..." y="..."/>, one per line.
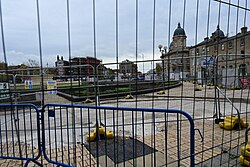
<point x="163" y="50"/>
<point x="142" y="55"/>
<point x="97" y="81"/>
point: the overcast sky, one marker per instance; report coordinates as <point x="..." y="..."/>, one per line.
<point x="21" y="33"/>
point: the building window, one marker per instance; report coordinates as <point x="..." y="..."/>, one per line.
<point x="203" y="50"/>
<point x="215" y="48"/>
<point x="222" y="47"/>
<point x="242" y="42"/>
<point x="208" y="49"/>
<point x="242" y="70"/>
<point x="197" y="51"/>
<point x="230" y="44"/>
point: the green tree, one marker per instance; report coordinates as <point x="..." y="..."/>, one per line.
<point x="110" y="72"/>
<point x="3" y="65"/>
<point x="158" y="69"/>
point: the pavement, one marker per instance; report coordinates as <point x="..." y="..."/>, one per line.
<point x="217" y="147"/>
<point x="66" y="155"/>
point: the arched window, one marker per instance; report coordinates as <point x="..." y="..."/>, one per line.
<point x="242" y="70"/>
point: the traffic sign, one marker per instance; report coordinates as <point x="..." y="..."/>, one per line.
<point x="207" y="61"/>
<point x="28" y="84"/>
<point x="4" y="89"/>
<point x="52" y="87"/>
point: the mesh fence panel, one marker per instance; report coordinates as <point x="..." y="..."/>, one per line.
<point x="185" y="55"/>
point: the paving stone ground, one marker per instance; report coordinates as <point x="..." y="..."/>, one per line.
<point x="217" y="143"/>
<point x="80" y="157"/>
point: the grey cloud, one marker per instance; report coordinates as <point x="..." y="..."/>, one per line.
<point x="21" y="35"/>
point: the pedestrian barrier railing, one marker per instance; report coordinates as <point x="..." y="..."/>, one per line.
<point x="20" y="132"/>
<point x="77" y="135"/>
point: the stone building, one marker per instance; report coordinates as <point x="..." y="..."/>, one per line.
<point x="128" y="67"/>
<point x="78" y="68"/>
<point x="84" y="65"/>
<point x="221" y="52"/>
<point x="176" y="60"/>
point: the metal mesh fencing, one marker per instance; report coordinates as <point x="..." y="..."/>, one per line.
<point x="122" y="136"/>
<point x="20" y="134"/>
<point x="186" y="55"/>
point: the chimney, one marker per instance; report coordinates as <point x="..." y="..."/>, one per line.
<point x="57" y="57"/>
<point x="61" y="57"/>
<point x="213" y="35"/>
<point x="205" y="39"/>
<point x="244" y="30"/>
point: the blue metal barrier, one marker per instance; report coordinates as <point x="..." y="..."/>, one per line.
<point x="65" y="127"/>
<point x="59" y="133"/>
<point x="20" y="133"/>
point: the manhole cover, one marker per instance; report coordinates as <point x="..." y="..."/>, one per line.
<point x="119" y="150"/>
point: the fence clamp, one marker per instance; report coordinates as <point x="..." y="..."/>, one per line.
<point x="202" y="139"/>
<point x="40" y="114"/>
<point x="51" y="113"/>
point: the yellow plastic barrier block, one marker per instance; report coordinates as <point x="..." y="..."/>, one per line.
<point x="129" y="97"/>
<point x="244" y="124"/>
<point x="101" y="130"/>
<point x="245" y="150"/>
<point x="109" y="134"/>
<point x="244" y="161"/>
<point x="230" y="122"/>
<point x="88" y="101"/>
<point x="162" y="92"/>
<point x="92" y="135"/>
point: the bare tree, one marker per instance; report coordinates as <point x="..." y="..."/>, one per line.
<point x="32" y="63"/>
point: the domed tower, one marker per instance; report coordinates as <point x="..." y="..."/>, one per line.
<point x="176" y="61"/>
<point x="218" y="34"/>
<point x="179" y="31"/>
<point x="179" y="39"/>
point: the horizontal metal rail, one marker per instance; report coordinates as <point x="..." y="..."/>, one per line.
<point x="44" y="126"/>
<point x="64" y="113"/>
<point x="11" y="146"/>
